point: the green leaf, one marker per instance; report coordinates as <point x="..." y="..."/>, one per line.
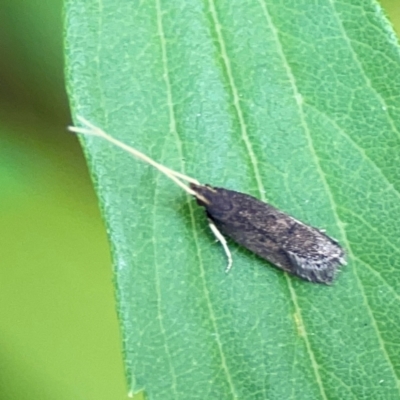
<point x="295" y="103"/>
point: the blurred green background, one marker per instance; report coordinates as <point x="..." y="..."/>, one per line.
<point x="59" y="335"/>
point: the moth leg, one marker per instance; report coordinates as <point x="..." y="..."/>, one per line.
<point x="222" y="240"/>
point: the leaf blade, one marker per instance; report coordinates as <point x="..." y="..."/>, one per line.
<point x="300" y="79"/>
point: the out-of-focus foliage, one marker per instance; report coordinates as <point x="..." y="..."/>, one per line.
<point x="59" y="336"/>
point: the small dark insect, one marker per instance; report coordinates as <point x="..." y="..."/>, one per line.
<point x="289" y="244"/>
<point x="279" y="238"/>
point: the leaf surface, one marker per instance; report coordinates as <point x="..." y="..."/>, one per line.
<point x="295" y="103"/>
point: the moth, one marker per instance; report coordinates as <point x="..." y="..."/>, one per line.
<point x="275" y="236"/>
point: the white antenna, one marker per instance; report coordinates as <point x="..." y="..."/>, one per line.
<point x="92" y="130"/>
<point x="177" y="177"/>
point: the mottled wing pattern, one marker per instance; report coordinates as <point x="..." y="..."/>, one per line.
<point x="272" y="234"/>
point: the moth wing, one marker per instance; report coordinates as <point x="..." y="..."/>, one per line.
<point x="321" y="271"/>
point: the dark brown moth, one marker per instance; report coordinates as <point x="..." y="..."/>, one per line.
<point x="289" y="244"/>
<point x="272" y="234"/>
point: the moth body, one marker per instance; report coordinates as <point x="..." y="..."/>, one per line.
<point x="272" y="234"/>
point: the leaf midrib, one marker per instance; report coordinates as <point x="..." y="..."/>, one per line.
<point x="190" y="203"/>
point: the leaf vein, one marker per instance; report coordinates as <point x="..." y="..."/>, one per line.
<point x="289" y="73"/>
<point x="381" y="342"/>
<point x="379" y="275"/>
<point x="357" y="147"/>
<point x="335" y="213"/>
<point x="361" y="68"/>
<point x="173" y="129"/>
<point x="236" y="98"/>
<point x="237" y="106"/>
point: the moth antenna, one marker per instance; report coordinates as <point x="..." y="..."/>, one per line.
<point x="96" y="131"/>
<point x="93" y="130"/>
<point x="222" y="240"/>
